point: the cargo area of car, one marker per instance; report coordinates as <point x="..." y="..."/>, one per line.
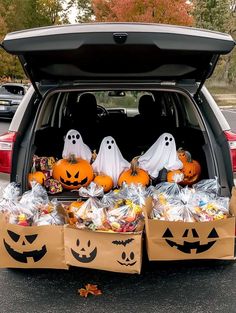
<point x="134" y="128"/>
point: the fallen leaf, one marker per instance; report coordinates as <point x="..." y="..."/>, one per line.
<point x="89" y="289"/>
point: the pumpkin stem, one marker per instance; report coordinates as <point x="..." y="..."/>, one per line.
<point x="33" y="168"/>
<point x="134" y="166"/>
<point x="72" y="159"/>
<point x="94" y="156"/>
<point x="187" y="153"/>
<point x="189" y="157"/>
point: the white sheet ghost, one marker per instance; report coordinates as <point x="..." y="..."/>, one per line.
<point x="162" y="154"/>
<point x="74" y="145"/>
<point x="110" y="160"/>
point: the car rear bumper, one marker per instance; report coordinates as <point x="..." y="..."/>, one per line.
<point x="7" y="111"/>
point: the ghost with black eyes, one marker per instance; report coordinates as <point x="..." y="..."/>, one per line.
<point x="74" y="145"/>
<point x="110" y="160"/>
<point x="162" y="154"/>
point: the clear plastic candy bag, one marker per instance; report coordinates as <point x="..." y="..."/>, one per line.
<point x="52" y="213"/>
<point x="10" y="198"/>
<point x="93" y="190"/>
<point x="125" y="216"/>
<point x="91" y="214"/>
<point x="34" y="198"/>
<point x="209" y="186"/>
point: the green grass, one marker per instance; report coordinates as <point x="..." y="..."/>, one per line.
<point x="222" y="89"/>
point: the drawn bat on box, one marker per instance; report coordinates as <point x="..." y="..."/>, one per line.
<point x="122" y="242"/>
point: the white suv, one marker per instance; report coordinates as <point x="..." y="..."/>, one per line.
<point x="118" y="64"/>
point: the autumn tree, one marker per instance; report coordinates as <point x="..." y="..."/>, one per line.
<point x="212" y="14"/>
<point x="18" y="14"/>
<point x="176" y="12"/>
<point x="85" y="11"/>
<point x="55" y="11"/>
<point x="219" y="15"/>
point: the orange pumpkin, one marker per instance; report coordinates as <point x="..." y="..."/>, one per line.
<point x="75" y="204"/>
<point x="73" y="173"/>
<point x="175" y="176"/>
<point x="183" y="155"/>
<point x="134" y="175"/>
<point x="191" y="171"/>
<point x="105" y="181"/>
<point x="37" y="176"/>
<point x="71" y="210"/>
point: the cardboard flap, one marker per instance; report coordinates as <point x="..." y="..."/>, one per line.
<point x="31" y="246"/>
<point x="147" y="208"/>
<point x="232" y="202"/>
<point x="117" y="252"/>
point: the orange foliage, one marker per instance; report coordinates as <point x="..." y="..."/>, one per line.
<point x="176" y="12"/>
<point x="89" y="289"/>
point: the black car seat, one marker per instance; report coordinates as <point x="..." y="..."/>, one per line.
<point x="145" y="124"/>
<point x="82" y="116"/>
<point x="150" y="123"/>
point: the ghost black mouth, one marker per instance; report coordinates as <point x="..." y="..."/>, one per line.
<point x="84" y="258"/>
<point x="188" y="246"/>
<point x="127" y="264"/>
<point x="37" y="255"/>
<point x="75" y="183"/>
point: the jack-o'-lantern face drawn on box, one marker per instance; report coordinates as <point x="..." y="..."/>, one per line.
<point x="187" y="246"/>
<point x="127" y="255"/>
<point x="86" y="252"/>
<point x="19" y="247"/>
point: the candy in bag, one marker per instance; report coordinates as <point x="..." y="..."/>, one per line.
<point x="52" y="213"/>
<point x="91" y="213"/>
<point x="209" y="186"/>
<point x="34" y="198"/>
<point x="10" y="198"/>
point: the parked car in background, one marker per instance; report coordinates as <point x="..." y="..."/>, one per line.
<point x="169" y="64"/>
<point x="11" y="95"/>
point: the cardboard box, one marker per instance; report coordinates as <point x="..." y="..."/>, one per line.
<point x="182" y="241"/>
<point x="31" y="246"/>
<point x="116" y="252"/>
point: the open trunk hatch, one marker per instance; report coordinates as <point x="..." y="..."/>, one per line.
<point x="118" y="51"/>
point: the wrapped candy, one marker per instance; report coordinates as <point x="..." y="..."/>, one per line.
<point x="10" y="197"/>
<point x="52" y="213"/>
<point x="125" y="216"/>
<point x="15" y="212"/>
<point x="33" y="208"/>
<point x="44" y="165"/>
<point x="188" y="204"/>
<point x="119" y="210"/>
<point x="53" y="186"/>
<point x="34" y="198"/>
<point x="214" y="209"/>
<point x="91" y="213"/>
<point x="209" y="186"/>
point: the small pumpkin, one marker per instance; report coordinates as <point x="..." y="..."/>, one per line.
<point x="192" y="171"/>
<point x="183" y="155"/>
<point x="73" y="172"/>
<point x="175" y="176"/>
<point x="71" y="210"/>
<point x="134" y="175"/>
<point x="37" y="176"/>
<point x="105" y="181"/>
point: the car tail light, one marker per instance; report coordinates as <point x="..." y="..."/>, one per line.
<point x="6" y="149"/>
<point x="231" y="138"/>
